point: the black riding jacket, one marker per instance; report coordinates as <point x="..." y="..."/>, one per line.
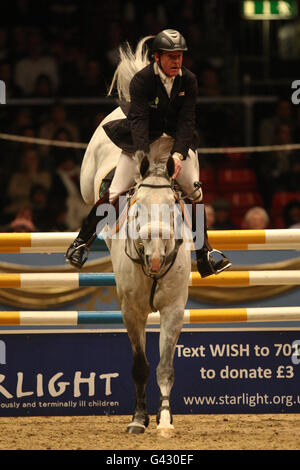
<point x="151" y="113"/>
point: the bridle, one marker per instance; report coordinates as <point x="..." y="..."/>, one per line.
<point x="139" y="249"/>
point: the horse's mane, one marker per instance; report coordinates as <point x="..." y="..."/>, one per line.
<point x="130" y="63"/>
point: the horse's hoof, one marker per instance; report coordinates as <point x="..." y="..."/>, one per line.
<point x="135" y="428"/>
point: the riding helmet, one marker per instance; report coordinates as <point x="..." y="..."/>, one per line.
<point x="169" y="40"/>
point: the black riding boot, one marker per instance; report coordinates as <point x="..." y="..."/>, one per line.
<point x="78" y="251"/>
<point x="209" y="260"/>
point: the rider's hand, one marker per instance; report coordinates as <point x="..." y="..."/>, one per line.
<point x="178" y="165"/>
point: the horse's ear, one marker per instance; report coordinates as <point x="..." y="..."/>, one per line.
<point x="144" y="166"/>
<point x="170" y="166"/>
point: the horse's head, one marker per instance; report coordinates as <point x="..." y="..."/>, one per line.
<point x="155" y="204"/>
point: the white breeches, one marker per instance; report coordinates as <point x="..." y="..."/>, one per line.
<point x="126" y="171"/>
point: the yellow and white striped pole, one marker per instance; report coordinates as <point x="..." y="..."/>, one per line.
<point x="221" y="315"/>
<point x="58" y="242"/>
<point x="74" y="280"/>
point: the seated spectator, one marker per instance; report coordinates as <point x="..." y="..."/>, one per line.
<point x="94" y="83"/>
<point x="281" y="160"/>
<point x="256" y="218"/>
<point x="22" y="181"/>
<point x="20" y="123"/>
<point x="291" y="180"/>
<point x="43" y="87"/>
<point x="58" y="216"/>
<point x="222" y="215"/>
<point x="19" y="148"/>
<point x="65" y="190"/>
<point x="210" y="216"/>
<point x="28" y="69"/>
<point x="268" y="126"/>
<point x="22" y="222"/>
<point x="291" y="214"/>
<point x="58" y="153"/>
<point x="209" y="83"/>
<point x="23" y="119"/>
<point x="11" y="89"/>
<point x="39" y="207"/>
<point x="57" y="121"/>
<point x="71" y="60"/>
<point x="271" y="168"/>
<point x="27" y="131"/>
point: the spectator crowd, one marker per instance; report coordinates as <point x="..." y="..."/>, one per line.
<point x="51" y="50"/>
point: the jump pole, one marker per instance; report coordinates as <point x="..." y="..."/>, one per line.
<point x="58" y="242"/>
<point x="75" y="280"/>
<point x="74" y="318"/>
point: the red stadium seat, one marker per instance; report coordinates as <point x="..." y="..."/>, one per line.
<point x="281" y="199"/>
<point x="236" y="179"/>
<point x="242" y="201"/>
<point x="210" y="197"/>
<point x="238" y="220"/>
<point x="278" y="222"/>
<point x="235" y="160"/>
<point x="208" y="179"/>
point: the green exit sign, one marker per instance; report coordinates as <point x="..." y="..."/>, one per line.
<point x="269" y="9"/>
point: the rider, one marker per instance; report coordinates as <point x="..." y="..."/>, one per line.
<point x="160" y="121"/>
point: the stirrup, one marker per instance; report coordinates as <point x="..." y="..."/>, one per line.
<point x="77" y="255"/>
<point x="208" y="265"/>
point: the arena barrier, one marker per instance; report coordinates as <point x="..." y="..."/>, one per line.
<point x="52" y="242"/>
<point x="75" y="280"/>
<point x="73" y="318"/>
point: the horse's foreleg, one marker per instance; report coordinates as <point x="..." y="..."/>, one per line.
<point x="140" y="371"/>
<point x="170" y="327"/>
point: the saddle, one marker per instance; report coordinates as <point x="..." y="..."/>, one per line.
<point x="106" y="182"/>
<point x="122" y="211"/>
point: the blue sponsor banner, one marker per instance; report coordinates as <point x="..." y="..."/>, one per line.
<point x="238" y="372"/>
<point x="59" y="374"/>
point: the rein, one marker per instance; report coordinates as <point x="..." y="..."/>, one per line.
<point x="197" y="185"/>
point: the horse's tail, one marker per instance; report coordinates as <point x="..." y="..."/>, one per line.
<point x="130" y="63"/>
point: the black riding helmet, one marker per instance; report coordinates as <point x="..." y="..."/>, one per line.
<point x="169" y="40"/>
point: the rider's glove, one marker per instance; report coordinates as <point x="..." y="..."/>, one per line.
<point x="177" y="155"/>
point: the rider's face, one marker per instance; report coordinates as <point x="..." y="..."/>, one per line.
<point x="170" y="62"/>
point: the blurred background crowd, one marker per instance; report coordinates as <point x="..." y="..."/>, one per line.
<point x="57" y="59"/>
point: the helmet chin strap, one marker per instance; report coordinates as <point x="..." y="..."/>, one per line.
<point x="160" y="66"/>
